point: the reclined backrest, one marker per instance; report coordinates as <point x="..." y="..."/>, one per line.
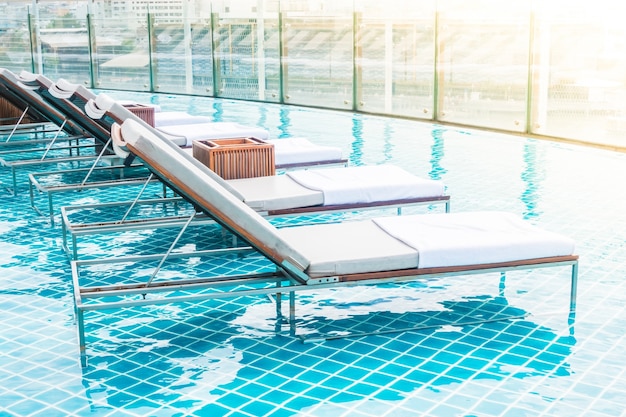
<point x="21" y="92"/>
<point x="118" y="114"/>
<point x="67" y="90"/>
<point x="72" y="107"/>
<point x="196" y="182"/>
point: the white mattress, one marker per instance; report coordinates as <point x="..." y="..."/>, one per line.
<point x="366" y="184"/>
<point x="348" y="248"/>
<point x="422" y="241"/>
<point x="473" y="238"/>
<point x="276" y="192"/>
<point x="290" y="151"/>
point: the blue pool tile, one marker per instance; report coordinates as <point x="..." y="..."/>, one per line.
<point x="223" y="358"/>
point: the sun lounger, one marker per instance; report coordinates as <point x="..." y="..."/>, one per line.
<point x="289" y="152"/>
<point x="89" y="144"/>
<point x="69" y="106"/>
<point x="318" y="256"/>
<point x="20" y="94"/>
<point x="310" y="192"/>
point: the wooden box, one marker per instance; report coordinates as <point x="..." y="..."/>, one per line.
<point x="234" y="158"/>
<point x="145" y="113"/>
<point x="10" y="114"/>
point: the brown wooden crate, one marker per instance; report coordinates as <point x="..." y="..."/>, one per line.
<point x="233" y="158"/>
<point x="9" y="114"/>
<point x="145" y="113"/>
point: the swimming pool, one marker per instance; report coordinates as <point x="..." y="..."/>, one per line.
<point x="226" y="357"/>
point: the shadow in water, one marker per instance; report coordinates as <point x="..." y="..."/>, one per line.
<point x="147" y="362"/>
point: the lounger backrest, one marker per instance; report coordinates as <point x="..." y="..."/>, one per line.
<point x="195" y="182"/>
<point x="22" y="92"/>
<point x="65" y="89"/>
<point x="65" y="103"/>
<point x="120" y="114"/>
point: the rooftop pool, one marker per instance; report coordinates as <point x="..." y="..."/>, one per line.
<point x="230" y="357"/>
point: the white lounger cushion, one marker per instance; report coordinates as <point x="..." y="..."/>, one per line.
<point x="207" y="131"/>
<point x="348" y="248"/>
<point x="474" y="238"/>
<point x="276" y="192"/>
<point x="290" y="151"/>
<point x="172" y="118"/>
<point x="363" y="184"/>
<point x="435" y="240"/>
<point x="366" y="184"/>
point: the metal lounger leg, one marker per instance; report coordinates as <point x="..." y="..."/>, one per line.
<point x="292" y="313"/>
<point x="51" y="208"/>
<point x="134" y="203"/>
<point x="574" y="287"/>
<point x="17" y="124"/>
<point x="170" y="249"/>
<point x="54" y="140"/>
<point x="93" y="166"/>
<point x="82" y="347"/>
<point x="14" y="174"/>
<point x="279" y="301"/>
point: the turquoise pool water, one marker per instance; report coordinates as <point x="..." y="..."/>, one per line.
<point x="227" y="357"/>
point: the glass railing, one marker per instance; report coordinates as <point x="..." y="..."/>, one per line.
<point x="526" y="67"/>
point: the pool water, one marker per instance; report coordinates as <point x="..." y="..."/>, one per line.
<point x="231" y="357"/>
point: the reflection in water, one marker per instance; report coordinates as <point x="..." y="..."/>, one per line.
<point x="437" y="152"/>
<point x="532" y="176"/>
<point x="218" y="113"/>
<point x="388" y="141"/>
<point x="356" y="153"/>
<point x="262" y="116"/>
<point x="285" y="122"/>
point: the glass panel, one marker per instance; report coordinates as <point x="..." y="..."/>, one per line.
<point x="457" y="61"/>
<point x="318" y="54"/>
<point x="579" y="84"/>
<point x="15" y="50"/>
<point x="65" y="53"/>
<point x="483" y="63"/>
<point x="247" y="51"/>
<point x="396" y="58"/>
<point x="182" y="57"/>
<point x="122" y="54"/>
<point x="63" y="41"/>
